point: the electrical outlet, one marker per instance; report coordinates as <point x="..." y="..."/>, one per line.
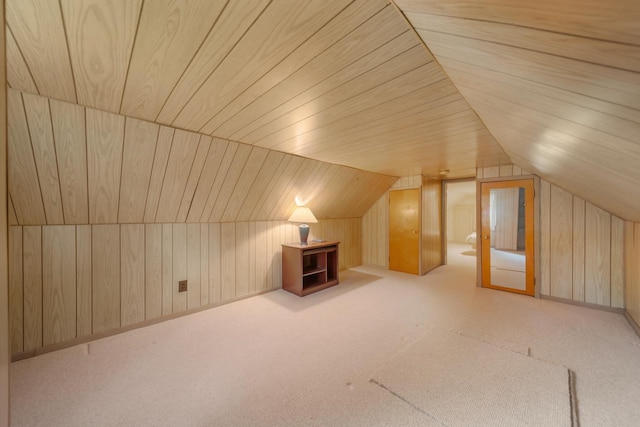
<point x="182" y="286"/>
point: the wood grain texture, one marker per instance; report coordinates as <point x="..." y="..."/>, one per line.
<point x="632" y="273"/>
<point x="160" y="159"/>
<point x="579" y="224"/>
<point x="5" y="341"/>
<point x="39" y="31"/>
<point x="245" y="183"/>
<point x="84" y="308"/>
<point x="58" y="284"/>
<point x="18" y="74"/>
<point x="152" y="271"/>
<point x="194" y="177"/>
<point x="183" y="151"/>
<point x="105" y="278"/>
<point x="105" y="133"/>
<point x="40" y="130"/>
<point x="100" y="37"/>
<point x="593" y="19"/>
<point x="15" y="294"/>
<point x="23" y="176"/>
<point x="283" y="25"/>
<point x="169" y="35"/>
<point x="617" y="262"/>
<point x="180" y="267"/>
<point x="561" y="243"/>
<point x="227" y="260"/>
<point x="132" y="274"/>
<point x="215" y="267"/>
<point x="243" y="259"/>
<point x="204" y="190"/>
<point x="68" y="122"/>
<point x="545" y="237"/>
<point x="230" y="28"/>
<point x="140" y="140"/>
<point x="204" y="264"/>
<point x="194" y="293"/>
<point x="13" y="219"/>
<point x="167" y="269"/>
<point x="230" y="180"/>
<point x="32" y="286"/>
<point x="330" y="41"/>
<point x="597" y="256"/>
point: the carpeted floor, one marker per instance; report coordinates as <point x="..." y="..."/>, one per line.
<point x="279" y="360"/>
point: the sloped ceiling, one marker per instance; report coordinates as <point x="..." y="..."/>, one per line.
<point x="342" y="81"/>
<point x="557" y="82"/>
<point x="350" y="82"/>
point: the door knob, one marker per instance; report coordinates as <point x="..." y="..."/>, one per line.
<point x="485" y="237"/>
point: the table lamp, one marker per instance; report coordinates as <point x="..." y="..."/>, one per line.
<point x="303" y="215"/>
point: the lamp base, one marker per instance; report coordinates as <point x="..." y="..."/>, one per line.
<point x="304" y="233"/>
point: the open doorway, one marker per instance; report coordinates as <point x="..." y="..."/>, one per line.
<point x="460" y="220"/>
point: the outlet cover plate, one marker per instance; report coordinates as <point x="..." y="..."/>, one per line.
<point x="182" y="286"/>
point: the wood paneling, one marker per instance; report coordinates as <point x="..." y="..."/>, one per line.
<point x="308" y="79"/>
<point x="183" y="151"/>
<point x="39" y="30"/>
<point x="5" y="341"/>
<point x="32" y="286"/>
<point x="160" y="159"/>
<point x="180" y="268"/>
<point x="598" y="256"/>
<point x="632" y="271"/>
<point x="137" y="160"/>
<point x="560" y="77"/>
<point x="84" y="298"/>
<point x="617" y="262"/>
<point x="131" y="171"/>
<point x="153" y="271"/>
<point x="105" y="277"/>
<point x="58" y="283"/>
<point x="561" y="241"/>
<point x="194" y="293"/>
<point x="132" y="273"/>
<point x="579" y="212"/>
<point x="71" y="149"/>
<point x="105" y="133"/>
<point x="169" y="34"/>
<point x="18" y="74"/>
<point x="100" y="36"/>
<point x="228" y="260"/>
<point x="41" y="133"/>
<point x="23" y="176"/>
<point x="15" y="294"/>
<point x="167" y="269"/>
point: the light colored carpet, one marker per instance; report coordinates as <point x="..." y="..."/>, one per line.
<point x="460" y="381"/>
<point x="279" y="360"/>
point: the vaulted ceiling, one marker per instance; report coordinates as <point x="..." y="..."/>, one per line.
<point x="403" y="89"/>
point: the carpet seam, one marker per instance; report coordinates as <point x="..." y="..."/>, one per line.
<point x="374" y="381"/>
<point x="573" y="400"/>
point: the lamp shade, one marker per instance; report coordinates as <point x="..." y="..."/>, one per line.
<point x="303" y="215"/>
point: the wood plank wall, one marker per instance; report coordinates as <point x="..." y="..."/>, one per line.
<point x="632" y="269"/>
<point x="581" y="245"/>
<point x="375" y="225"/>
<point x="72" y="281"/>
<point x="4" y="227"/>
<point x="74" y="165"/>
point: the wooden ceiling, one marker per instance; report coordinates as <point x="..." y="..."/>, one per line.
<point x="356" y="83"/>
<point x="342" y="81"/>
<point x="557" y="82"/>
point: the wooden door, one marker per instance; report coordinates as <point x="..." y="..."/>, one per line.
<point x="404" y="230"/>
<point x="507" y="259"/>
